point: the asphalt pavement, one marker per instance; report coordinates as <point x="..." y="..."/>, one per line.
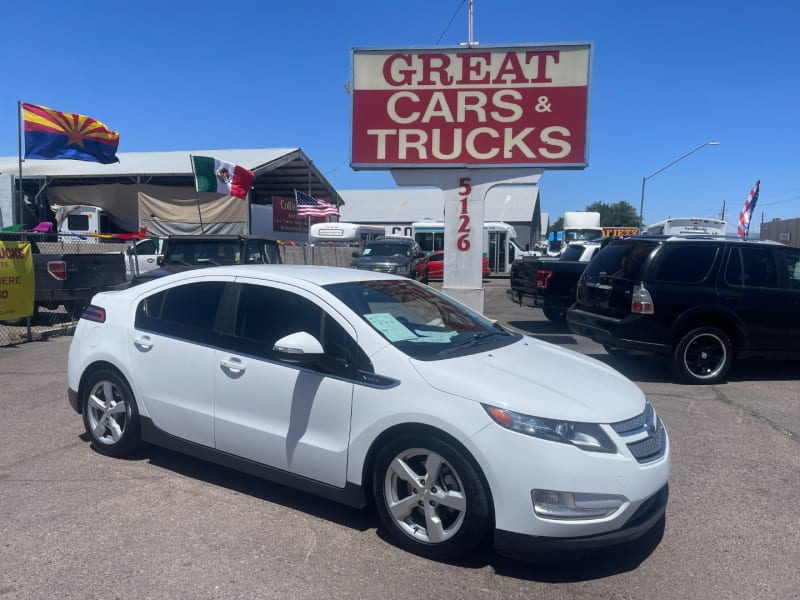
<point x="76" y="524"/>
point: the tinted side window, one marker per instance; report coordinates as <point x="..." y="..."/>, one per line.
<point x="685" y="264"/>
<point x="751" y="267"/>
<point x="791" y="259"/>
<point x="265" y="314"/>
<point x="146" y="247"/>
<point x="620" y="260"/>
<point x="186" y="311"/>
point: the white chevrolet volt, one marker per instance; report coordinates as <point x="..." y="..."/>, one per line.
<point x="367" y="387"/>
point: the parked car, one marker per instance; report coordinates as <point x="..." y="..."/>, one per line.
<point x="362" y="386"/>
<point x="397" y="255"/>
<point x="699" y="301"/>
<point x="432" y="267"/>
<point x="549" y="283"/>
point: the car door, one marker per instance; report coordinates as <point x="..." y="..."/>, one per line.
<point x="172" y="358"/>
<point x="756" y="288"/>
<point x="294" y="417"/>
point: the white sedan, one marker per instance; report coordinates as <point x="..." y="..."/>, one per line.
<point x="366" y="387"/>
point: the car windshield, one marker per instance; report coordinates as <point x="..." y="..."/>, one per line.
<point x="387" y="249"/>
<point x="420" y="321"/>
<point x="216" y="253"/>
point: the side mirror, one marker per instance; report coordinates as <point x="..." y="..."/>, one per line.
<point x="298" y="347"/>
<point x="160" y="261"/>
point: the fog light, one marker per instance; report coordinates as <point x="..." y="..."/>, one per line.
<point x="568" y="505"/>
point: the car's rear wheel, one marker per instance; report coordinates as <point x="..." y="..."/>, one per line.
<point x="430" y="497"/>
<point x="703" y="356"/>
<point x="110" y="414"/>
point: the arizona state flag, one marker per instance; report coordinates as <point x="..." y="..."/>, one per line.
<point x="50" y="134"/>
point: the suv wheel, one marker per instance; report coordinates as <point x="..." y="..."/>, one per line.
<point x="704" y="355"/>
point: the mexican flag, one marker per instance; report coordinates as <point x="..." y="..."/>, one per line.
<point x="214" y="175"/>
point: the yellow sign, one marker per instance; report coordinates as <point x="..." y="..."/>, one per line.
<point x="16" y="280"/>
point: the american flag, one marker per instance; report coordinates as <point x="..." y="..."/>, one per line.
<point x="747" y="211"/>
<point x="308" y="206"/>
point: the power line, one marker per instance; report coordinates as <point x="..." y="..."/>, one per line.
<point x="450" y="22"/>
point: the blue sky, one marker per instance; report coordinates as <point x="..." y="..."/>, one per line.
<point x="666" y="78"/>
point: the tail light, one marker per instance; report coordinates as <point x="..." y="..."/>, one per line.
<point x="543" y="278"/>
<point x="94" y="313"/>
<point x="57" y="269"/>
<point x="642" y="302"/>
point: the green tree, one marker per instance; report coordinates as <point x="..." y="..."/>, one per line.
<point x="620" y="214"/>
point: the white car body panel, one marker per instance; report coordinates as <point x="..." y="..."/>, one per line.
<point x="323" y="427"/>
<point x="512" y="378"/>
<point x="283" y="416"/>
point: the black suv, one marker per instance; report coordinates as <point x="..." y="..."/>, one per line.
<point x="389" y="255"/>
<point x="699" y="301"/>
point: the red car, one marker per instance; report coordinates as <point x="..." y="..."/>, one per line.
<point x="432" y="267"/>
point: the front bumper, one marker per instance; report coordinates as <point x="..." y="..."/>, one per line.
<point x="522" y="546"/>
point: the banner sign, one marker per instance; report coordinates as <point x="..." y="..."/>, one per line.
<point x="286" y="219"/>
<point x="16" y="280"/>
<point x="517" y="106"/>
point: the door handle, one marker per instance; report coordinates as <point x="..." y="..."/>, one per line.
<point x="143" y="342"/>
<point x="235" y="365"/>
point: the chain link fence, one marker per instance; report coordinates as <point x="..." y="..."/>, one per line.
<point x="54" y="319"/>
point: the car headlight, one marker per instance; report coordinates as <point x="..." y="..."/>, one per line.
<point x="586" y="436"/>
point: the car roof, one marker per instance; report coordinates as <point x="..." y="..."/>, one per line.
<point x="217" y="237"/>
<point x="305" y="276"/>
<point x="394" y="240"/>
<point x="698" y="238"/>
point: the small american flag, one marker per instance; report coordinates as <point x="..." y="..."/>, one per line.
<point x="308" y="206"/>
<point x="747" y="212"/>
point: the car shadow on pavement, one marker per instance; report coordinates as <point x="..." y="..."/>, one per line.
<point x="585" y="566"/>
<point x="557" y="568"/>
<point x="263" y="489"/>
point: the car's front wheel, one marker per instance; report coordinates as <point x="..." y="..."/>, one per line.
<point x="703" y="356"/>
<point x="110" y="414"/>
<point x="430" y="497"/>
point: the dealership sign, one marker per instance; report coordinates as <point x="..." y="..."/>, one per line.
<point x="470" y="107"/>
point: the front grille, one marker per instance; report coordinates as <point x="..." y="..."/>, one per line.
<point x="648" y="430"/>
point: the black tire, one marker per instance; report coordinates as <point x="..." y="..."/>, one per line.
<point x="703" y="356"/>
<point x="456" y="499"/>
<point x="555" y="315"/>
<point x="110" y="415"/>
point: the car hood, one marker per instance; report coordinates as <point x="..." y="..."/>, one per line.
<point x="380" y="260"/>
<point x="539" y="379"/>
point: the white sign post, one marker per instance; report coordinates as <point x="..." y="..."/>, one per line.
<point x="464" y="194"/>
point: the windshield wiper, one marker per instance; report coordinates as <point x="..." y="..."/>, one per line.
<point x="474" y="340"/>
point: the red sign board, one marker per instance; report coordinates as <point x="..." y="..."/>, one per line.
<point x="472" y="106"/>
